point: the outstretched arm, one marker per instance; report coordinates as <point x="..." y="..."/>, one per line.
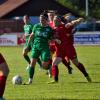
<point x="74" y="22"/>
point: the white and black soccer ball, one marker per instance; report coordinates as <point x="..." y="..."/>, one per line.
<point x="17" y="79"/>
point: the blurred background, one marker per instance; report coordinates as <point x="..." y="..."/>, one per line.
<point x="12" y="11"/>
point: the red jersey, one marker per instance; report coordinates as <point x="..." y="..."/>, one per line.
<point x="66" y="48"/>
<point x="51" y="24"/>
<point x="51" y="43"/>
<point x="64" y="34"/>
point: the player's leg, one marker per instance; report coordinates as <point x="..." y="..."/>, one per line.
<point x="35" y="56"/>
<point x="26" y="57"/>
<point x="73" y="56"/>
<point x="4" y="71"/>
<point x="40" y="63"/>
<point x="46" y="58"/>
<point x="25" y="54"/>
<point x="55" y="70"/>
<point x="31" y="70"/>
<point x="52" y="52"/>
<point x="56" y="60"/>
<point x="81" y="67"/>
<point x="66" y="62"/>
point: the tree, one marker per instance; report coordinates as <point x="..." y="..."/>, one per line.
<point x="78" y="6"/>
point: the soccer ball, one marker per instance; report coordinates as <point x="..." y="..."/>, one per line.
<point x="17" y="79"/>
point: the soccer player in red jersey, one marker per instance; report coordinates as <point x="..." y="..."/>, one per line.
<point x="66" y="62"/>
<point x="4" y="71"/>
<point x="66" y="48"/>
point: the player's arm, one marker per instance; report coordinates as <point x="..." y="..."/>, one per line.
<point x="29" y="40"/>
<point x="26" y="35"/>
<point x="55" y="39"/>
<point x="74" y="22"/>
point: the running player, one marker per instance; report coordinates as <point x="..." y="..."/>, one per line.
<point x="41" y="34"/>
<point x="66" y="61"/>
<point x="27" y="31"/>
<point x="66" y="48"/>
<point x="4" y="71"/>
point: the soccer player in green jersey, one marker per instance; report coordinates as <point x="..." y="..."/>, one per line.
<point x="28" y="30"/>
<point x="41" y="34"/>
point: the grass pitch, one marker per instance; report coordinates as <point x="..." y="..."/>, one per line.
<point x="69" y="87"/>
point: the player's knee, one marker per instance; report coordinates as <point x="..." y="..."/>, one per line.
<point x="57" y="60"/>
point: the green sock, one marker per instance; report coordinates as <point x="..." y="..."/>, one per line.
<point x="27" y="58"/>
<point x="31" y="72"/>
<point x="39" y="62"/>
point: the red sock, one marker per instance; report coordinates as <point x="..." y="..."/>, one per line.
<point x="2" y="85"/>
<point x="82" y="69"/>
<point x="55" y="72"/>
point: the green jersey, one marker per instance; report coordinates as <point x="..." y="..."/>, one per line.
<point x="41" y="37"/>
<point x="42" y="34"/>
<point x="28" y="29"/>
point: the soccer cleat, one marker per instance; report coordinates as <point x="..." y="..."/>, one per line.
<point x="88" y="79"/>
<point x="52" y="82"/>
<point x="70" y="70"/>
<point x="28" y="83"/>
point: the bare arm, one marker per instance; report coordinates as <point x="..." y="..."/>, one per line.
<point x="27" y="35"/>
<point x="29" y="40"/>
<point x="77" y="21"/>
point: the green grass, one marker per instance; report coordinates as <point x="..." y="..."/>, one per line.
<point x="70" y="87"/>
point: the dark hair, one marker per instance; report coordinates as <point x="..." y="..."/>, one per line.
<point x="61" y="18"/>
<point x="44" y="14"/>
<point x="27" y="16"/>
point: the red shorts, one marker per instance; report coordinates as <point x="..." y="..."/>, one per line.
<point x="70" y="52"/>
<point x="1" y="59"/>
<point x="66" y="51"/>
<point x="59" y="50"/>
